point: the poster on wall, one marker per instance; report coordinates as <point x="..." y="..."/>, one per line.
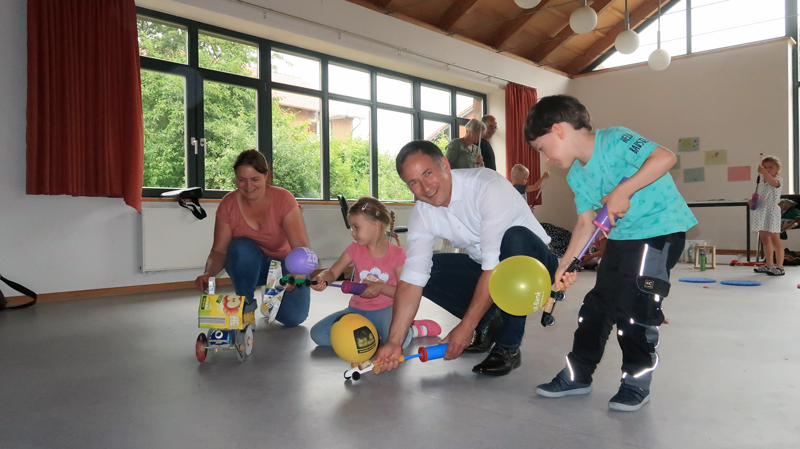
<point x="717" y="157"/>
<point x="677" y="165"/>
<point x="739" y="173"/>
<point x="689" y="144"/>
<point x="694" y="174"/>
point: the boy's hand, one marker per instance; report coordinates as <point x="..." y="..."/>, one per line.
<point x="373" y="289"/>
<point x="761" y="170"/>
<point x="618" y="205"/>
<point x="546" y="175"/>
<point x="564" y="280"/>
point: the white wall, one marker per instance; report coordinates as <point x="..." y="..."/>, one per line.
<point x="60" y="243"/>
<point x="737" y="99"/>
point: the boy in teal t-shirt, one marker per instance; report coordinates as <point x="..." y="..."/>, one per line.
<point x="647" y="239"/>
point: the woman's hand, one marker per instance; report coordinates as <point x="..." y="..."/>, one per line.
<point x="202" y="282"/>
<point x="373" y="289"/>
<point x="321" y="283"/>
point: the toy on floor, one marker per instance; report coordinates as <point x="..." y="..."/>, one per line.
<point x="222" y="316"/>
<point x="741" y="283"/>
<point x="424" y="354"/>
<point x="354" y="338"/>
<point x="697" y="280"/>
<point x="299" y="261"/>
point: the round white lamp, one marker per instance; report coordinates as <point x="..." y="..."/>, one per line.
<point x="583" y="20"/>
<point x="527" y="4"/>
<point x="627" y="42"/>
<point x="659" y="59"/>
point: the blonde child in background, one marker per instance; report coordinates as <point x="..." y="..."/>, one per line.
<point x="767" y="216"/>
<point x="519" y="179"/>
<point x="377" y="263"/>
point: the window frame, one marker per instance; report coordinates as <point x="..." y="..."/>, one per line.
<point x="264" y="85"/>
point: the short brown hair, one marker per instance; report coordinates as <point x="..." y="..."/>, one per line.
<point x="254" y="159"/>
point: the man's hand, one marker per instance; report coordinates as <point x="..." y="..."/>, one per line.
<point x="457" y="340"/>
<point x="387" y="358"/>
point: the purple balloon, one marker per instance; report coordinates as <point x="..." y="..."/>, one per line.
<point x="301" y="261"/>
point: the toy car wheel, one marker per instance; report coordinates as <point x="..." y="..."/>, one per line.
<point x="248" y="339"/>
<point x="201" y="348"/>
<point x="239" y="345"/>
<point x="548" y="320"/>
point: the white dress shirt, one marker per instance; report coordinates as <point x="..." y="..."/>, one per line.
<point x="483" y="205"/>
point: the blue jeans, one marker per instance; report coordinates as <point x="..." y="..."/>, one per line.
<point x="248" y="267"/>
<point x="381" y="319"/>
<point x="454" y="277"/>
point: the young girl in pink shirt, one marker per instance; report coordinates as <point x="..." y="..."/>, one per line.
<point x="377" y="263"/>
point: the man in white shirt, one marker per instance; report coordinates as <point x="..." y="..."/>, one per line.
<point x="479" y="211"/>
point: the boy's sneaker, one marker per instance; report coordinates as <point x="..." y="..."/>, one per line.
<point x="559" y="387"/>
<point x="426" y="328"/>
<point x="776" y="271"/>
<point x="761" y="269"/>
<point x="629" y="398"/>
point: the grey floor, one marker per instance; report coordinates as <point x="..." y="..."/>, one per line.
<point x="120" y="372"/>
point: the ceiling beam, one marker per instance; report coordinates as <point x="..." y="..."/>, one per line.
<point x="454" y="13"/>
<point x="516" y="24"/>
<point x="541" y="52"/>
<point x="384" y="4"/>
<point x="642" y="13"/>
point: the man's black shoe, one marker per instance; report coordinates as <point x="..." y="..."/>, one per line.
<point x="499" y="362"/>
<point x="483" y="339"/>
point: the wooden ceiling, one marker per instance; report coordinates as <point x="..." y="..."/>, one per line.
<point x="540" y="35"/>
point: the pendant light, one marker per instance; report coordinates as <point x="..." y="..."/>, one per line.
<point x="659" y="58"/>
<point x="583" y="20"/>
<point x="627" y="41"/>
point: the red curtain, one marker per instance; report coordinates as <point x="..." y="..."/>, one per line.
<point x="519" y="100"/>
<point x="85" y="130"/>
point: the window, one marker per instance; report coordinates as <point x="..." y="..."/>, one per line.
<point x="718" y="24"/>
<point x="163" y="106"/>
<point x="329" y="126"/>
<point x="714" y="24"/>
<point x="295" y="70"/>
<point x="673" y="38"/>
<point x="162" y="40"/>
<point x="226" y="55"/>
<point x="350" y="82"/>
<point x="395" y="129"/>
<point x="296" y="143"/>
<point x="435" y="100"/>
<point x="394" y="91"/>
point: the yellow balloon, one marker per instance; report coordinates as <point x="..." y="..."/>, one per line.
<point x="354" y="338"/>
<point x="520" y="285"/>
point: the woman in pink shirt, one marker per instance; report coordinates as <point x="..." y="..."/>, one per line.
<point x="257" y="223"/>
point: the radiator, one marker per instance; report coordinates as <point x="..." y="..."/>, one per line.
<point x="173" y="239"/>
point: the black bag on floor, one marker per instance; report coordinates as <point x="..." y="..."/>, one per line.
<point x="20" y="288"/>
